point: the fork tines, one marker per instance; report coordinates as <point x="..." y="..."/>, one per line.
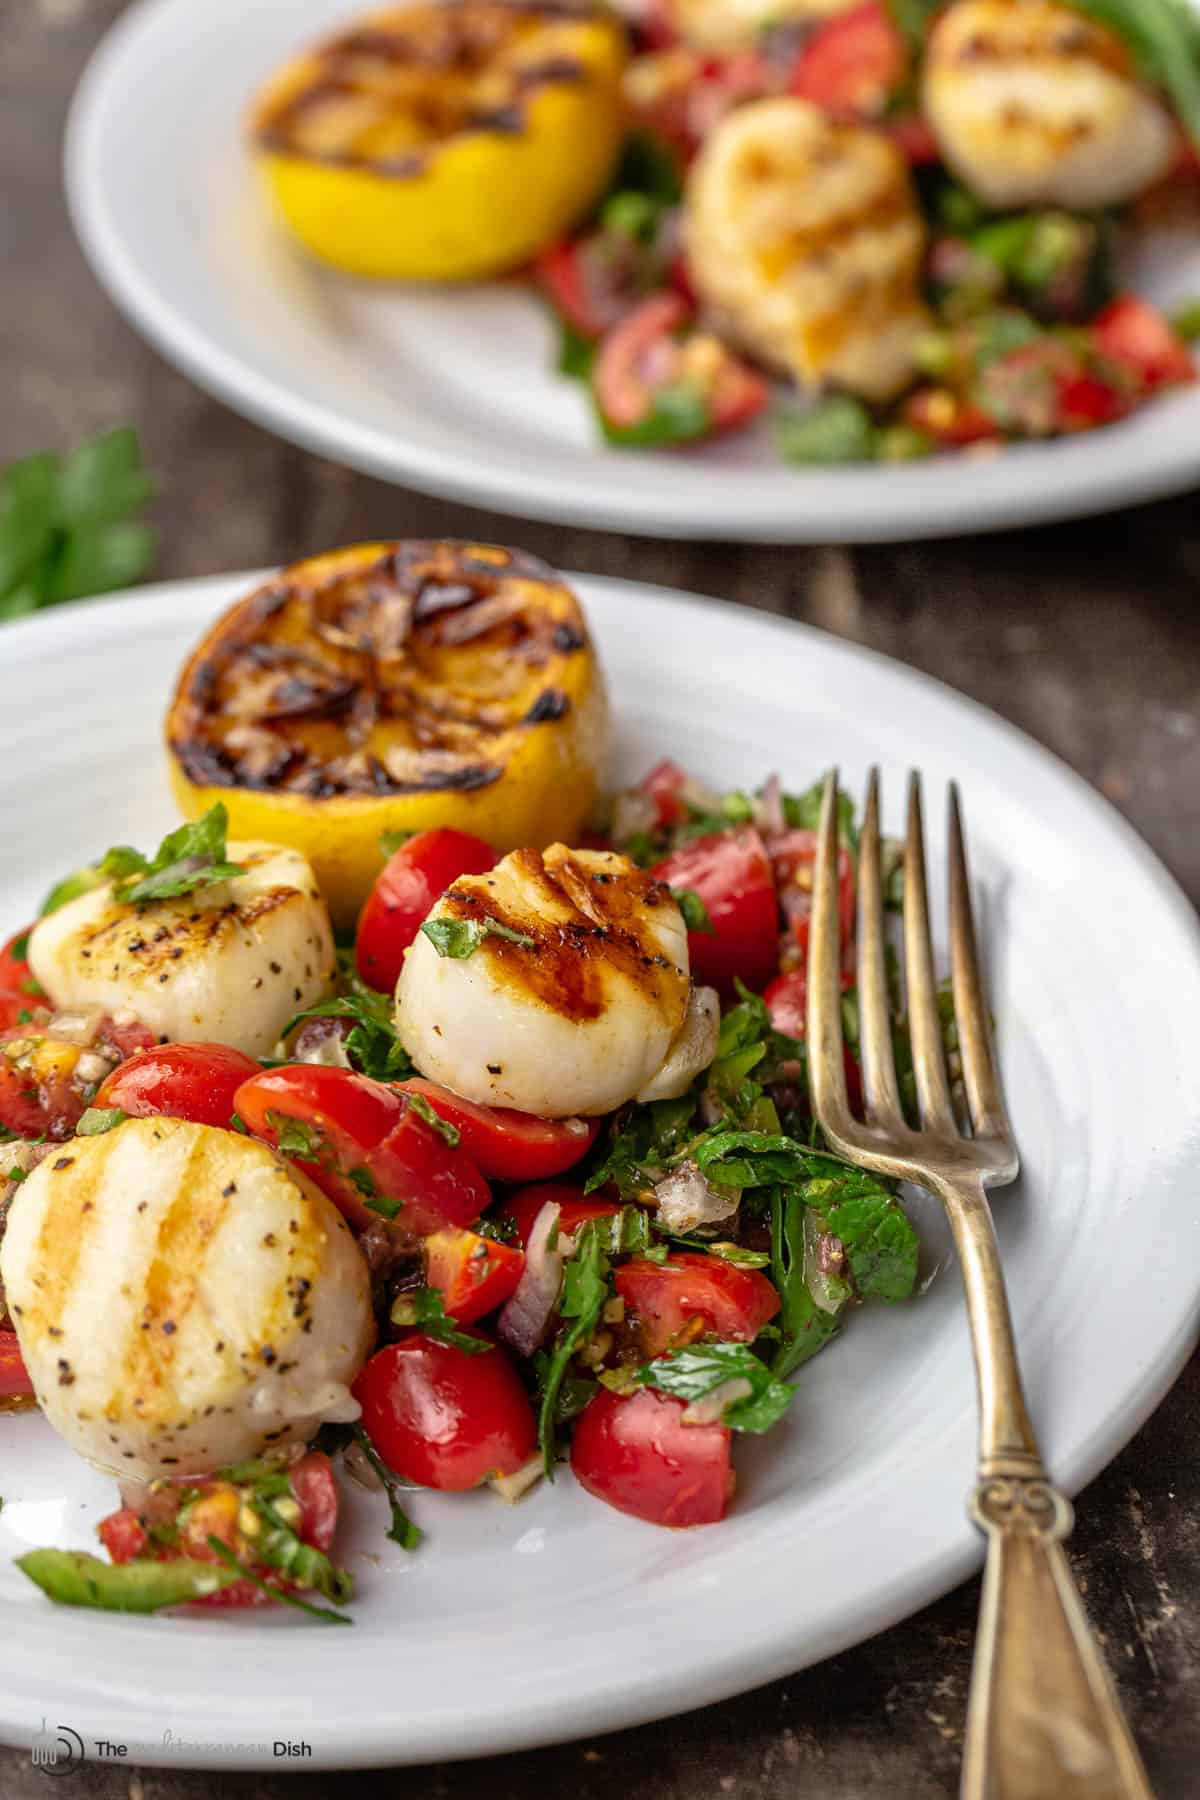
<point x="886" y="1127"/>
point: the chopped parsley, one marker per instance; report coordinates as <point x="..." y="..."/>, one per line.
<point x="401" y="1531"/>
<point x="449" y="1134"/>
<point x="426" y="1308"/>
<point x="584" y="1293"/>
<point x="460" y="938"/>
<point x="701" y="1369"/>
<point x="695" y="913"/>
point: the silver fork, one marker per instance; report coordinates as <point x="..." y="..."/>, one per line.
<point x="1043" y="1721"/>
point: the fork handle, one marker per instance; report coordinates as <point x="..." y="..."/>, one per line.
<point x="1043" y="1722"/>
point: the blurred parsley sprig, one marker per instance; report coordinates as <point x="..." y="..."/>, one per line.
<point x="67" y="524"/>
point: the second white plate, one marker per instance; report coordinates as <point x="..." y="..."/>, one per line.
<point x="452" y="390"/>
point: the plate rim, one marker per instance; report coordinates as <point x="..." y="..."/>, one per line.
<point x="1097" y="478"/>
<point x="941" y="1569"/>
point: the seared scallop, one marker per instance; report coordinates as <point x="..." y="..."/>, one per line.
<point x="805" y="242"/>
<point x="230" y="963"/>
<point x="556" y="984"/>
<point x="1034" y="104"/>
<point x="183" y="1298"/>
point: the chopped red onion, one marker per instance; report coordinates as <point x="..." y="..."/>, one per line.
<point x="524" y="1318"/>
<point x="686" y="1199"/>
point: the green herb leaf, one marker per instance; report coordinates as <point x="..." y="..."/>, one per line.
<point x="426" y="1308"/>
<point x="803" y="1327"/>
<point x="576" y="353"/>
<point x="191" y="857"/>
<point x="692" y="1373"/>
<point x="677" y="414"/>
<point x="1185" y="322"/>
<point x="73" y="1578"/>
<point x="585" y="1290"/>
<point x="65" y="524"/>
<point x="649" y="165"/>
<point x="279" y="1546"/>
<point x="226" y="1555"/>
<point x="402" y="1531"/>
<point x="460" y="938"/>
<point x="695" y="913"/>
<point x="295" y="1137"/>
<point x="99" y="1119"/>
<point x="391" y="841"/>
<point x="839" y="430"/>
<point x="371" y="1045"/>
<point x="449" y="1134"/>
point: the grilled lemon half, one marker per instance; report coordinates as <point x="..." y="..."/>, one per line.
<point x="445" y="142"/>
<point x="393" y="687"/>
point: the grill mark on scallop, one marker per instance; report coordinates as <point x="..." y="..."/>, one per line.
<point x="579" y="925"/>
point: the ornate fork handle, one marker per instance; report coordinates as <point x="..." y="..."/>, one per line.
<point x="1043" y="1722"/>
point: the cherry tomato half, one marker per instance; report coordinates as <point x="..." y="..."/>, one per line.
<point x="575" y="1209"/>
<point x="731" y="872"/>
<point x="14" y="1376"/>
<point x="474" y="1274"/>
<point x="635" y="1453"/>
<point x="370" y="1141"/>
<point x="179" y="1081"/>
<point x="665" y="785"/>
<point x="668" y="1298"/>
<point x="787" y="1002"/>
<point x="1135" y="335"/>
<point x="853" y="63"/>
<point x="412" y="879"/>
<point x="445" y="1418"/>
<point x="16" y="977"/>
<point x="506" y="1145"/>
<point x="39" y="1092"/>
<point x="654" y="351"/>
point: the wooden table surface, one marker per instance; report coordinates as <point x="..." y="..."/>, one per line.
<point x="1085" y="635"/>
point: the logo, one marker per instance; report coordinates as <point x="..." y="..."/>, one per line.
<point x="57" y="1750"/>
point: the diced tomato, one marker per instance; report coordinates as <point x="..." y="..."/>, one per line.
<point x="15" y="1383"/>
<point x="949" y="419"/>
<point x="15" y="1010"/>
<point x="125" y="1039"/>
<point x="39" y="1092"/>
<point x="1087" y="400"/>
<point x="474" y="1274"/>
<point x="575" y="1209"/>
<point x="786" y="1000"/>
<point x="560" y="271"/>
<point x="914" y="137"/>
<point x="16" y="977"/>
<point x="406" y="888"/>
<point x="214" y="1512"/>
<point x="371" y="1141"/>
<point x="445" y="1418"/>
<point x="179" y="1081"/>
<point x="506" y="1145"/>
<point x="315" y="1486"/>
<point x="731" y="872"/>
<point x="123" y="1535"/>
<point x="636" y="1454"/>
<point x="1135" y="335"/>
<point x="653" y="356"/>
<point x="853" y="63"/>
<point x="665" y="785"/>
<point x="692" y="1293"/>
<point x="793" y="857"/>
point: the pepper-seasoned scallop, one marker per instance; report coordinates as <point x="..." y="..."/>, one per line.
<point x="805" y="241"/>
<point x="445" y="142"/>
<point x="393" y="687"/>
<point x="556" y="984"/>
<point x="1034" y="104"/>
<point x="183" y="1298"/>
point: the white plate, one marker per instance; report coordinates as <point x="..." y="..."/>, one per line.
<point x="452" y="390"/>
<point x="561" y="1618"/>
